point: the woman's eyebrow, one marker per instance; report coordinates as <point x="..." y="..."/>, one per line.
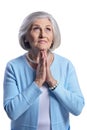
<point x="39" y="25"/>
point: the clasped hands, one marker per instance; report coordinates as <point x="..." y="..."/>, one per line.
<point x="43" y="73"/>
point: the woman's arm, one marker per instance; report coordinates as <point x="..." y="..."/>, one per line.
<point x="70" y="95"/>
<point x="15" y="102"/>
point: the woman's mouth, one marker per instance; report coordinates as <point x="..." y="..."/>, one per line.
<point x="42" y="41"/>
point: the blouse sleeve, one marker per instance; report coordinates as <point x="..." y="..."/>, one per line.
<point x="16" y="103"/>
<point x="70" y="95"/>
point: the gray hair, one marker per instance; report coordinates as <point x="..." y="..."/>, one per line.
<point x="27" y="24"/>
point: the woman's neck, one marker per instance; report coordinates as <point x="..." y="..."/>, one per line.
<point x="35" y="55"/>
<point x="33" y="58"/>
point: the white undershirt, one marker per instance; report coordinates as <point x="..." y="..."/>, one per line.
<point x="44" y="117"/>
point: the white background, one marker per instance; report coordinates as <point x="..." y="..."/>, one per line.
<point x="71" y="16"/>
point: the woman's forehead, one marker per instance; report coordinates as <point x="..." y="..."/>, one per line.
<point x="42" y="21"/>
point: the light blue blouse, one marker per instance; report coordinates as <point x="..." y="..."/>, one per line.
<point x="21" y="94"/>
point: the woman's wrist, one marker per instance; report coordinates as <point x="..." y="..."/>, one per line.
<point x="52" y="84"/>
<point x="38" y="82"/>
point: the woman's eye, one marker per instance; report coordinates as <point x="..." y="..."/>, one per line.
<point x="35" y="28"/>
<point x="48" y="29"/>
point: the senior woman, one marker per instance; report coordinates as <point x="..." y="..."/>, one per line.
<point x="41" y="87"/>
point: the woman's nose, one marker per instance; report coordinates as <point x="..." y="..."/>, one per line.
<point x="42" y="33"/>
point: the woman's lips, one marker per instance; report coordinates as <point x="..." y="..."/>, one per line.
<point x="42" y="41"/>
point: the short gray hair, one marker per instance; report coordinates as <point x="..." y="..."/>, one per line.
<point x="27" y="22"/>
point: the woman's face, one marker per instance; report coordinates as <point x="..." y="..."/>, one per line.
<point x="40" y="35"/>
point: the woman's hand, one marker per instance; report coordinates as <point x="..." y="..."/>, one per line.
<point x="49" y="78"/>
<point x="41" y="69"/>
<point x="43" y="73"/>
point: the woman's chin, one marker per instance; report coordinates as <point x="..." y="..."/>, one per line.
<point x="43" y="48"/>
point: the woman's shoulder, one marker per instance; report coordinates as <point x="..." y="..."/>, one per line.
<point x="18" y="61"/>
<point x="61" y="58"/>
<point x="63" y="61"/>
